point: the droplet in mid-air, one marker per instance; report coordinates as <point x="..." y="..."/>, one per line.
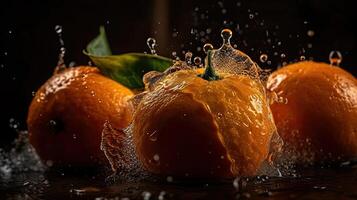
<point x="197" y="61"/>
<point x="302" y="58"/>
<point x="335" y="58"/>
<point x="282" y="55"/>
<point x="263" y="58"/>
<point x="188" y="58"/>
<point x="60" y="63"/>
<point x="226" y="35"/>
<point x="310" y="33"/>
<point x="207" y="47"/>
<point x="58" y="29"/>
<point x="151" y="42"/>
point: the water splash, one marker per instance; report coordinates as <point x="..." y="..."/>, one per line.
<point x="335" y="58"/>
<point x="60" y="63"/>
<point x="118" y="147"/>
<point x="151" y="42"/>
<point x="227" y="59"/>
<point x="207" y="47"/>
<point x="21" y="158"/>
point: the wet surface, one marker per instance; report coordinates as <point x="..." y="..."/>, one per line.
<point x="331" y="183"/>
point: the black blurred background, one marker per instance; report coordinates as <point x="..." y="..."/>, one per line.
<point x="30" y="46"/>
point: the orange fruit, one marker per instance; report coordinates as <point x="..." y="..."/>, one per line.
<point x="66" y="116"/>
<point x="187" y="126"/>
<point x="319" y="119"/>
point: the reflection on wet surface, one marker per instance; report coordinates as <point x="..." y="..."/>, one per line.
<point x="332" y="183"/>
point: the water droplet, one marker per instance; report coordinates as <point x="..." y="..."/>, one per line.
<point x="14" y="124"/>
<point x="263" y="58"/>
<point x="161" y="195"/>
<point x="302" y="58"/>
<point x="49" y="163"/>
<point x="310" y="33"/>
<point x="239" y="183"/>
<point x="60" y="63"/>
<point x="251" y="16"/>
<point x="335" y="58"/>
<point x="156" y="157"/>
<point x="197" y="61"/>
<point x="282" y="55"/>
<point x="72" y="64"/>
<point x="151" y="42"/>
<point x="52" y="123"/>
<point x="152" y="136"/>
<point x="207" y="47"/>
<point x="146" y="195"/>
<point x="188" y="58"/>
<point x="226" y="35"/>
<point x="174" y="54"/>
<point x="58" y="29"/>
<point x="169" y="179"/>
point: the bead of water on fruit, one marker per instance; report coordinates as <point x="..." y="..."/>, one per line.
<point x="335" y="58"/>
<point x="197" y="61"/>
<point x="188" y="58"/>
<point x="58" y="29"/>
<point x="263" y="58"/>
<point x="151" y="42"/>
<point x="207" y="47"/>
<point x="226" y="35"/>
<point x="53" y="123"/>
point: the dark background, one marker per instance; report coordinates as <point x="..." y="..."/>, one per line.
<point x="30" y="46"/>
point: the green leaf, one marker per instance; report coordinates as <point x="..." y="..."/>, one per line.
<point x="129" y="69"/>
<point x="99" y="46"/>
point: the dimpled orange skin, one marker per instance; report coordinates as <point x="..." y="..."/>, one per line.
<point x="79" y="100"/>
<point x="191" y="127"/>
<point x="321" y="112"/>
